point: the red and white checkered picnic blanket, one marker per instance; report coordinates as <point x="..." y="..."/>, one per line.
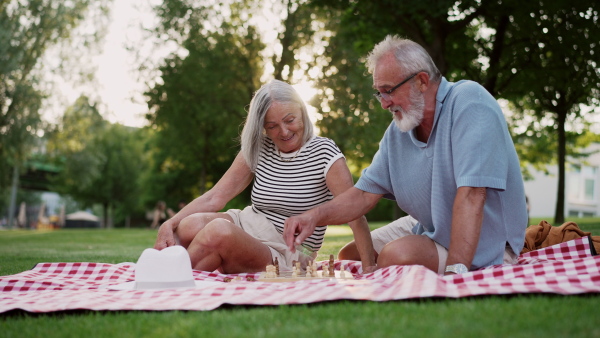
<point x="567" y="268"/>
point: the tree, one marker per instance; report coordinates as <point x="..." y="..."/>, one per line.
<point x="507" y="46"/>
<point x="198" y="108"/>
<point x="28" y="29"/>
<point x="350" y="113"/>
<point x="298" y="29"/>
<point x="557" y="48"/>
<point x="100" y="162"/>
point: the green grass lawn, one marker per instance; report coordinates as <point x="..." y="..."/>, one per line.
<point x="517" y="316"/>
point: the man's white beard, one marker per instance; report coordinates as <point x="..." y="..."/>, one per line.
<point x="413" y="116"/>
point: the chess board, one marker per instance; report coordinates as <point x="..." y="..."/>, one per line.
<point x="287" y="277"/>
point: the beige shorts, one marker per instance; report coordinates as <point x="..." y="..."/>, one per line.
<point x="403" y="227"/>
<point x="259" y="227"/>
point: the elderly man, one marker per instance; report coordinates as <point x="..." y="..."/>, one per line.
<point x="447" y="160"/>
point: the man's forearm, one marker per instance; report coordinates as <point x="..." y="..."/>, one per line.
<point x="350" y="205"/>
<point x="346" y="207"/>
<point x="467" y="218"/>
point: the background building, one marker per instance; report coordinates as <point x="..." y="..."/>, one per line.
<point x="582" y="186"/>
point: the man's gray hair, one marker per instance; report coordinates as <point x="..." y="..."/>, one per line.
<point x="253" y="134"/>
<point x="411" y="57"/>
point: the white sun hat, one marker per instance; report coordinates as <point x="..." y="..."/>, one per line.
<point x="168" y="268"/>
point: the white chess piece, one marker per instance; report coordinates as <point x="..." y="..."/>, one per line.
<point x="271" y="273"/>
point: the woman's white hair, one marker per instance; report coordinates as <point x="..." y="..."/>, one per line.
<point x="253" y="134"/>
<point x="411" y="56"/>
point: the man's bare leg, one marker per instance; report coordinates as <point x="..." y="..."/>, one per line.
<point x="410" y="250"/>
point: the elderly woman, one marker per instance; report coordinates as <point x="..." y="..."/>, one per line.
<point x="293" y="171"/>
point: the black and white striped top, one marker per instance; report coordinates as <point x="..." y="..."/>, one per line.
<point x="282" y="189"/>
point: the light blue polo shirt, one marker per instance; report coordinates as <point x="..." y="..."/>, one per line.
<point x="469" y="146"/>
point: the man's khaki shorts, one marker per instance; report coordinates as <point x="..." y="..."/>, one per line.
<point x="403" y="227"/>
<point x="259" y="227"/>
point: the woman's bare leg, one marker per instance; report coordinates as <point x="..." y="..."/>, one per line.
<point x="223" y="245"/>
<point x="349" y="252"/>
<point x="189" y="227"/>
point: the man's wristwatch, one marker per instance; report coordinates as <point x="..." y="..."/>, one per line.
<point x="457" y="268"/>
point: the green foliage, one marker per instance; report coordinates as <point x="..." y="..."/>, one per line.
<point x="556" y="46"/>
<point x="349" y="112"/>
<point x="298" y="31"/>
<point x="28" y="29"/>
<point x="198" y="107"/>
<point x="541" y="56"/>
<point x="351" y="116"/>
<point x="100" y="162"/>
<point x="555" y="52"/>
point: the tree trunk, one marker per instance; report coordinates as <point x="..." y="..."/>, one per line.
<point x="559" y="214"/>
<point x="12" y="208"/>
<point x="203" y="180"/>
<point x="497" y="50"/>
<point x="287" y="54"/>
<point x="105" y="217"/>
<point x="111" y="213"/>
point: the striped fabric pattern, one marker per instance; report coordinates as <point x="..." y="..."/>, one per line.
<point x="290" y="184"/>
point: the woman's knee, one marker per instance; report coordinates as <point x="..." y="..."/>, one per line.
<point x="215" y="234"/>
<point x="349" y="252"/>
<point x="191" y="225"/>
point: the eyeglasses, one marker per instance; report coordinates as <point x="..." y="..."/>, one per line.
<point x="386" y="94"/>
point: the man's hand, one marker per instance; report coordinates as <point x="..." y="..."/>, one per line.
<point x="297" y="229"/>
<point x="165" y="237"/>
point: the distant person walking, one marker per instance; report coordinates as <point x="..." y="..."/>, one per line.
<point x="159" y="215"/>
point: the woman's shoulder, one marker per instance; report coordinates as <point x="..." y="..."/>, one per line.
<point x="322" y="141"/>
<point x="319" y="143"/>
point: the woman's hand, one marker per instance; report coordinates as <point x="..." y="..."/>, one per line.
<point x="369" y="269"/>
<point x="165" y="237"/>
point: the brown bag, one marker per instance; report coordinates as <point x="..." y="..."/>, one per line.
<point x="544" y="235"/>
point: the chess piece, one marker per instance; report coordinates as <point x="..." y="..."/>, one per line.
<point x="271" y="271"/>
<point x="276" y="266"/>
<point x="309" y="271"/>
<point x="331" y="266"/>
<point x="342" y="271"/>
<point x="294" y="272"/>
